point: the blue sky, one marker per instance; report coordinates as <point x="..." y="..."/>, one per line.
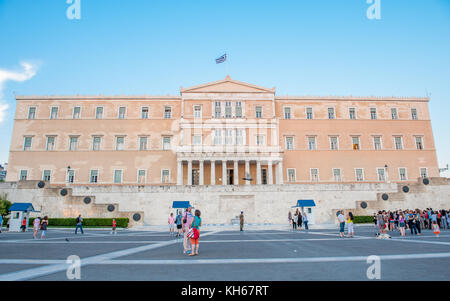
<point x="320" y="47"/>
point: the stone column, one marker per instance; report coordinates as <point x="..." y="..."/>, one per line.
<point x="247" y="171"/>
<point x="269" y="167"/>
<point x="236" y="172"/>
<point x="224" y="172"/>
<point x="201" y="180"/>
<point x="180" y="172"/>
<point x="189" y="172"/>
<point x="280" y="172"/>
<point x="258" y="172"/>
<point x="213" y="172"/>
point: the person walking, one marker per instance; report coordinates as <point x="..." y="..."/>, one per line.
<point x="171" y="222"/>
<point x="290" y="218"/>
<point x="24" y="224"/>
<point x="412" y="222"/>
<point x="44" y="224"/>
<point x="186" y="222"/>
<point x="402" y="224"/>
<point x="196" y="223"/>
<point x="114" y="224"/>
<point x="350" y="231"/>
<point x="241" y="220"/>
<point x="417" y="222"/>
<point x="36" y="225"/>
<point x="305" y="221"/>
<point x="79" y="222"/>
<point x="341" y="219"/>
<point x="179" y="223"/>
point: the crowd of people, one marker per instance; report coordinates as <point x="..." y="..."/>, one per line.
<point x="298" y="220"/>
<point x="188" y="226"/>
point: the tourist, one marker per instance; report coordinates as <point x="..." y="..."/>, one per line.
<point x="294" y="221"/>
<point x="436" y="229"/>
<point x="196" y="223"/>
<point x="375" y="220"/>
<point x="113" y="231"/>
<point x="36" y="224"/>
<point x="1" y="223"/>
<point x="290" y="218"/>
<point x="350" y="231"/>
<point x="341" y="219"/>
<point x="171" y="222"/>
<point x="412" y="222"/>
<point x="241" y="220"/>
<point x="299" y="221"/>
<point x="391" y="221"/>
<point x="44" y="224"/>
<point x="186" y="222"/>
<point x="79" y="222"/>
<point x="179" y="223"/>
<point x="444" y="224"/>
<point x="417" y="222"/>
<point x="305" y="221"/>
<point x="24" y="224"/>
<point x="401" y="224"/>
<point x="381" y="222"/>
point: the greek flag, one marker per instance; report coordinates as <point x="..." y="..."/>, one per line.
<point x="221" y="59"/>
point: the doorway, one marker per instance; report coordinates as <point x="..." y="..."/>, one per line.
<point x="264" y="176"/>
<point x="230" y="177"/>
<point x="195" y="177"/>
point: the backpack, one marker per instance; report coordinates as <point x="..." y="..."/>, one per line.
<point x="78" y="220"/>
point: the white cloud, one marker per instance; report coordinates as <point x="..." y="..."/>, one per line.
<point x="29" y="70"/>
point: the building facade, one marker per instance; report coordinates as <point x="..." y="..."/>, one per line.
<point x="221" y="133"/>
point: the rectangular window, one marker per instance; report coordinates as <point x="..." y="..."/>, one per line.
<point x="355" y="142"/>
<point x="419" y="143"/>
<point x="373" y="113"/>
<point x="289" y="143"/>
<point x="359" y="173"/>
<point x="144" y="112"/>
<point x="165" y="176"/>
<point x="32" y="113"/>
<point x="166" y="143"/>
<point x="120" y="143"/>
<point x="141" y="176"/>
<point x="197" y="112"/>
<point x="337" y="175"/>
<point x="258" y="111"/>
<point x="76" y="113"/>
<point x="117" y="176"/>
<point x="73" y="143"/>
<point x="99" y="113"/>
<point x="239" y="136"/>
<point x="70" y="176"/>
<point x="287" y="113"/>
<point x="314" y="175"/>
<point x="197" y="140"/>
<point x="394" y="114"/>
<point x="94" y="176"/>
<point x="377" y="142"/>
<point x="352" y="113"/>
<point x="23" y="175"/>
<point x="309" y="113"/>
<point x="122" y="111"/>
<point x="423" y="172"/>
<point x="217" y="136"/>
<point x="46" y="175"/>
<point x="50" y="143"/>
<point x="228" y="136"/>
<point x="334" y="143"/>
<point x="167" y="112"/>
<point x="311" y="143"/>
<point x="402" y="174"/>
<point x="238" y="109"/>
<point x="228" y="112"/>
<point x="291" y="174"/>
<point x="398" y="142"/>
<point x="381" y="174"/>
<point x="260" y="140"/>
<point x="331" y="113"/>
<point x="414" y="114"/>
<point x="143" y="143"/>
<point x="27" y="143"/>
<point x="217" y="109"/>
<point x="54" y="113"/>
<point x="96" y="142"/>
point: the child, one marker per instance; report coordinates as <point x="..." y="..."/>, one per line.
<point x="436" y="229"/>
<point x="171" y="222"/>
<point x="114" y="226"/>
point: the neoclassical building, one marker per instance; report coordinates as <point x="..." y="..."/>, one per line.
<point x="221" y="133"/>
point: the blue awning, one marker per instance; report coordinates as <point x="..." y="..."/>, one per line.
<point x="181" y="204"/>
<point x="22" y="207"/>
<point x="305" y="203"/>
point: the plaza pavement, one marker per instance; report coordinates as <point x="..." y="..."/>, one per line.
<point x="261" y="252"/>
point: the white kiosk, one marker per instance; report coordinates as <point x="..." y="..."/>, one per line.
<point x="19" y="211"/>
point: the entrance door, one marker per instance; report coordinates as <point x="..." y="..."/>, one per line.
<point x="195" y="177"/>
<point x="310" y="214"/>
<point x="264" y="176"/>
<point x="230" y="176"/>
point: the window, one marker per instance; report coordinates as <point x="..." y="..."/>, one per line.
<point x="117" y="176"/>
<point x="197" y="140"/>
<point x="166" y="143"/>
<point x="373" y="113"/>
<point x="287" y="113"/>
<point x="122" y="111"/>
<point x="70" y="176"/>
<point x="228" y="136"/>
<point x="50" y="143"/>
<point x="238" y="109"/>
<point x="27" y="143"/>
<point x="423" y="172"/>
<point x="228" y="109"/>
<point x="381" y="174"/>
<point x="144" y="112"/>
<point x="23" y="175"/>
<point x="239" y="136"/>
<point x="99" y="113"/>
<point x="76" y="113"/>
<point x="260" y="140"/>
<point x="46" y="175"/>
<point x="377" y="142"/>
<point x="165" y="176"/>
<point x="73" y="143"/>
<point x="402" y="174"/>
<point x="96" y="142"/>
<point x="355" y="142"/>
<point x="258" y="111"/>
<point x="289" y="143"/>
<point x="291" y="174"/>
<point x="337" y="175"/>
<point x="314" y="175"/>
<point x="414" y="114"/>
<point x="217" y="136"/>
<point x="141" y="176"/>
<point x="359" y="173"/>
<point x="217" y="109"/>
<point x="167" y="112"/>
<point x="309" y="113"/>
<point x="352" y="113"/>
<point x="419" y="143"/>
<point x="54" y="113"/>
<point x="398" y="142"/>
<point x="120" y="143"/>
<point x="143" y="143"/>
<point x="311" y="143"/>
<point x="334" y="143"/>
<point x="32" y="113"/>
<point x="94" y="176"/>
<point x="330" y="113"/>
<point x="394" y="114"/>
<point x="197" y="112"/>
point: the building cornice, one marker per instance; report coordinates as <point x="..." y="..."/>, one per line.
<point x="97" y="97"/>
<point x="353" y="98"/>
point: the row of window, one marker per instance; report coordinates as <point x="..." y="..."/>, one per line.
<point x="351" y="113"/>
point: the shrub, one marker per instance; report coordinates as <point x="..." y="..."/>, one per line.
<point x="95" y="222"/>
<point x="363" y="219"/>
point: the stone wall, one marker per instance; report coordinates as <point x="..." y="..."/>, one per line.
<point x="220" y="204"/>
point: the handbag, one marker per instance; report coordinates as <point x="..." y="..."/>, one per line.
<point x="190" y="233"/>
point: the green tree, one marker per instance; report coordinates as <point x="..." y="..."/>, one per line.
<point x="4" y="204"/>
